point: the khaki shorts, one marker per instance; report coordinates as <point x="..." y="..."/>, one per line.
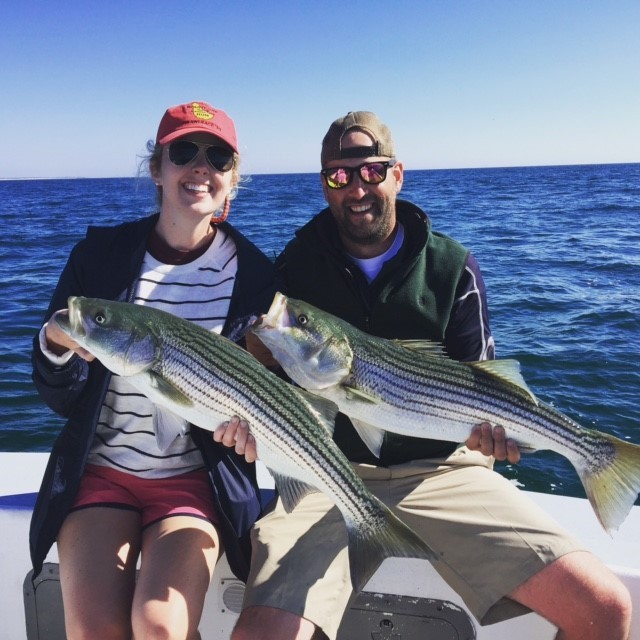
<point x="490" y="536"/>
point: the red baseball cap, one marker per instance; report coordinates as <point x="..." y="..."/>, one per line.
<point x="195" y="117"/>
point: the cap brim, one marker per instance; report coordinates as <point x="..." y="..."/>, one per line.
<point x="180" y="133"/>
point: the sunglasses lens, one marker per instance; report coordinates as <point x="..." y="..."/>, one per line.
<point x="338" y="178"/>
<point x="374" y="172"/>
<point x="220" y="158"/>
<point x="182" y="152"/>
<point x="370" y="172"/>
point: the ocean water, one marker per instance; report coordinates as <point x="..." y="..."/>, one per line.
<point x="559" y="248"/>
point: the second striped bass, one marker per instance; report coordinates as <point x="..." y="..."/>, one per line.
<point x="411" y="388"/>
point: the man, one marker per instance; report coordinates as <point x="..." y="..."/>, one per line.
<point x="374" y="260"/>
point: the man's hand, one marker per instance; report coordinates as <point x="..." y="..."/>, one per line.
<point x="492" y="441"/>
<point x="235" y="433"/>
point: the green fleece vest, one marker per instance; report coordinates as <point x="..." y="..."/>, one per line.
<point x="412" y="297"/>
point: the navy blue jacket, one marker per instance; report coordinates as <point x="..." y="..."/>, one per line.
<point x="105" y="265"/>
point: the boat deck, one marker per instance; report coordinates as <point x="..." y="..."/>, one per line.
<point x="19" y="482"/>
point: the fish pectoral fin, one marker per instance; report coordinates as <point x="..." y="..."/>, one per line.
<point x="167" y="426"/>
<point x="507" y="371"/>
<point x="426" y="347"/>
<point x="326" y="410"/>
<point x="354" y="393"/>
<point x="166" y="389"/>
<point x="291" y="491"/>
<point x="371" y="436"/>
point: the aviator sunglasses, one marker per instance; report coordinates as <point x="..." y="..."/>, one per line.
<point x="183" y="152"/>
<point x="370" y="172"/>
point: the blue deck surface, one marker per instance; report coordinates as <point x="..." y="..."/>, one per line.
<point x="18" y="501"/>
<point x="28" y="500"/>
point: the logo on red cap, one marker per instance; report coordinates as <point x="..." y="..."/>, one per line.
<point x="201" y="112"/>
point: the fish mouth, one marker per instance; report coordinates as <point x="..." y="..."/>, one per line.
<point x="276" y="316"/>
<point x="71" y="323"/>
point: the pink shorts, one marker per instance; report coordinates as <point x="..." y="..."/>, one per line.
<point x="188" y="494"/>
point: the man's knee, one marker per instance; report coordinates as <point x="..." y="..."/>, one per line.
<point x="611" y="603"/>
<point x="618" y="608"/>
<point x="581" y="596"/>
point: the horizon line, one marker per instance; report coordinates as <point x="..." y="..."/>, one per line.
<point x="281" y="173"/>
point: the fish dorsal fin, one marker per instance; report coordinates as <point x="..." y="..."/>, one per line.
<point x="326" y="410"/>
<point x="371" y="436"/>
<point x="426" y="347"/>
<point x="167" y="426"/>
<point x="507" y="371"/>
<point x="291" y="491"/>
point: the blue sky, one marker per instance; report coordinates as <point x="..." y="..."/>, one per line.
<point x="461" y="83"/>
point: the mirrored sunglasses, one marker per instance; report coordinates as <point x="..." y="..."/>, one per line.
<point x="370" y="172"/>
<point x="182" y="152"/>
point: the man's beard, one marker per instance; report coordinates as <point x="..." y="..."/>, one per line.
<point x="378" y="230"/>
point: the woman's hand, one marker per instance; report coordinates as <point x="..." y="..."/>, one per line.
<point x="59" y="342"/>
<point x="235" y="433"/>
<point x="492" y="441"/>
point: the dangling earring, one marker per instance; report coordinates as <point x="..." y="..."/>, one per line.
<point x="217" y="219"/>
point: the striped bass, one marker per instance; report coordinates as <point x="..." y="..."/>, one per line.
<point x="205" y="378"/>
<point x="412" y="388"/>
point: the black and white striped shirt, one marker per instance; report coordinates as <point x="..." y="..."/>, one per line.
<point x="199" y="291"/>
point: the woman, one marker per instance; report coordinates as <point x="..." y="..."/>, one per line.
<point x="112" y="492"/>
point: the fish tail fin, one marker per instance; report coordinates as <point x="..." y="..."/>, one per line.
<point x="612" y="482"/>
<point x="370" y="545"/>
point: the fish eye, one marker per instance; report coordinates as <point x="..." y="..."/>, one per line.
<point x="302" y="319"/>
<point x="100" y="318"/>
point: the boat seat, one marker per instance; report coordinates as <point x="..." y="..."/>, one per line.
<point x="43" y="604"/>
<point x="382" y="616"/>
<point x="372" y="616"/>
